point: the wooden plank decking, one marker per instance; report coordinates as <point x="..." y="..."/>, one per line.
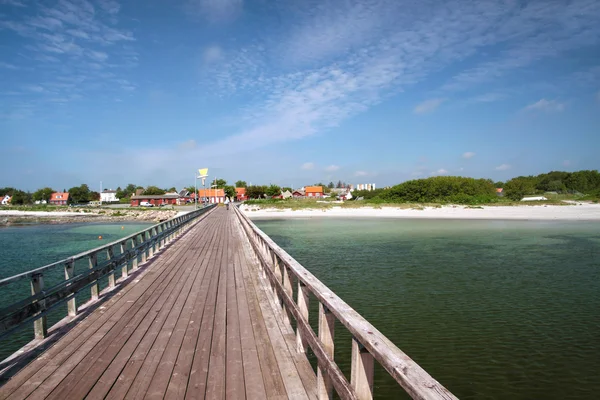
<point x="199" y="322"/>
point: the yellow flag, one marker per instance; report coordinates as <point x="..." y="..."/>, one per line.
<point x="203" y="172"/>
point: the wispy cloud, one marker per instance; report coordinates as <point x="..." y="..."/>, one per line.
<point x="546" y="106"/>
<point x="339" y="59"/>
<point x="428" y="106"/>
<point x="212" y="54"/>
<point x="440" y="171"/>
<point x="307" y="166"/>
<point x="332" y="168"/>
<point x="489" y="97"/>
<point x="215" y="10"/>
<point x="74" y="42"/>
<point x="361" y="173"/>
<point x="7" y="65"/>
<point x="16" y="3"/>
<point x="468" y="154"/>
<point x="503" y="167"/>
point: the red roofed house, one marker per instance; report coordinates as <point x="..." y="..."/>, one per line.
<point x="212" y="195"/>
<point x="59" y="199"/>
<point x="240" y="194"/>
<point x="314" y="191"/>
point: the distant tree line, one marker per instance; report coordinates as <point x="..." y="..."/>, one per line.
<point x="585" y="182"/>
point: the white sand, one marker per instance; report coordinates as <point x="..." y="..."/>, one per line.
<point x="581" y="212"/>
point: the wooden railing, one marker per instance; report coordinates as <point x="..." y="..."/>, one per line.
<point x="368" y="344"/>
<point x="126" y="254"/>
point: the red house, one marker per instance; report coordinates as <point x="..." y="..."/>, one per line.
<point x="155" y="200"/>
<point x="212" y="195"/>
<point x="314" y="191"/>
<point x="240" y="194"/>
<point x="59" y="198"/>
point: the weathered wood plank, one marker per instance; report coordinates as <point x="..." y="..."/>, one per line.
<point x="326" y="335"/>
<point x="362" y="370"/>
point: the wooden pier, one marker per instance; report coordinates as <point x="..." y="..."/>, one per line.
<point x="206" y="314"/>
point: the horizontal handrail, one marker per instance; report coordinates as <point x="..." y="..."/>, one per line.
<point x="366" y="338"/>
<point x="42" y="300"/>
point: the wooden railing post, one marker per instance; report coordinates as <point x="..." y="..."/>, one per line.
<point x="40" y="325"/>
<point x="111" y="277"/>
<point x="93" y="264"/>
<point x="144" y="249"/>
<point x="151" y="247"/>
<point x="362" y="369"/>
<point x="69" y="273"/>
<point x="124" y="271"/>
<point x="303" y="307"/>
<point x="134" y="263"/>
<point x="326" y="334"/>
<point x="287" y="286"/>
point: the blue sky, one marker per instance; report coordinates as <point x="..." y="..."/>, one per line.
<point x="294" y="92"/>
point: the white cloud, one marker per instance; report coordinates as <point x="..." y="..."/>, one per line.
<point x="502" y="167"/>
<point x="215" y="10"/>
<point x="546" y="106"/>
<point x="212" y="54"/>
<point x="75" y="42"/>
<point x="361" y="173"/>
<point x="332" y="168"/>
<point x="307" y="165"/>
<point x="337" y="60"/>
<point x="7" y="65"/>
<point x="440" y="171"/>
<point x="15" y="3"/>
<point x="468" y="154"/>
<point x="428" y="106"/>
<point x="489" y="97"/>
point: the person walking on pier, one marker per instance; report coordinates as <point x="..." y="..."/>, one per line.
<point x="227" y="203"/>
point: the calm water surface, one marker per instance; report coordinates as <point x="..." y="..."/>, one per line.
<point x="26" y="247"/>
<point x="492" y="309"/>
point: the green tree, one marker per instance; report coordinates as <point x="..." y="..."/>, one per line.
<point x="240" y="184"/>
<point x="153" y="190"/>
<point x="191" y="189"/>
<point x="94" y="196"/>
<point x="273" y="190"/>
<point x="499" y="184"/>
<point x="331" y="185"/>
<point x="255" y="191"/>
<point x="42" y="194"/>
<point x="172" y="189"/>
<point x="517" y="188"/>
<point x="283" y="189"/>
<point x="20" y="197"/>
<point x="7" y="191"/>
<point x="221" y="183"/>
<point x="79" y="194"/>
<point x="230" y="192"/>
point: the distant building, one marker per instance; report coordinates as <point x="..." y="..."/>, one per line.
<point x="314" y="191"/>
<point x="240" y="194"/>
<point x="5" y="200"/>
<point x="534" y="198"/>
<point x="365" y="186"/>
<point x="108" y="196"/>
<point x="500" y="192"/>
<point x="298" y="193"/>
<point x="287" y="195"/>
<point x="59" y="198"/>
<point x="211" y="195"/>
<point x="156" y="199"/>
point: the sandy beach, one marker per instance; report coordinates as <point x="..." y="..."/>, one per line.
<point x="581" y="212"/>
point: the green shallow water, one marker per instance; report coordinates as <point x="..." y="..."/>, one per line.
<point x="491" y="309"/>
<point x="23" y="248"/>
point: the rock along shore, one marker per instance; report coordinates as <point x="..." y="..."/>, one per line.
<point x="10" y="217"/>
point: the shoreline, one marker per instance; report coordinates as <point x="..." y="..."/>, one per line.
<point x="15" y="217"/>
<point x="579" y="212"/>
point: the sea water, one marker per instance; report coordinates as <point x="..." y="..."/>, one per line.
<point x="26" y="247"/>
<point x="491" y="309"/>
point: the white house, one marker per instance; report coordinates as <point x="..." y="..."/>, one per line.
<point x="108" y="196"/>
<point x="534" y="198"/>
<point x="5" y="200"/>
